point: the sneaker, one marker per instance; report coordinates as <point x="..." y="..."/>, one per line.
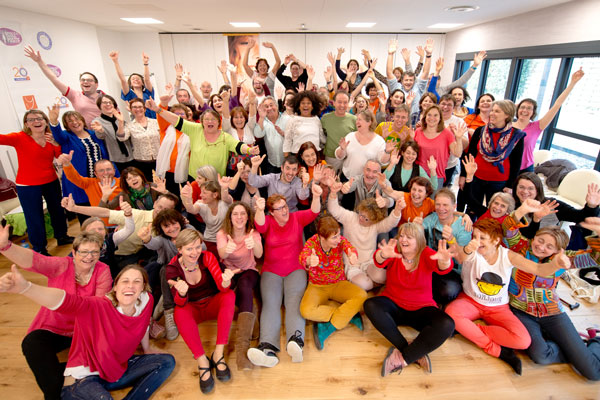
<point x="425" y="363"/>
<point x="295" y="346"/>
<point x="392" y="362"/>
<point x="172" y="331"/>
<point x="157" y="331"/>
<point x="357" y="321"/>
<point x="264" y="355"/>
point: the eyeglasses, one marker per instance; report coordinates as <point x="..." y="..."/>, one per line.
<point x="283" y="207"/>
<point x="362" y="216"/>
<point x="87" y="80"/>
<point x="39" y="119"/>
<point x="107" y="102"/>
<point x="85" y="253"/>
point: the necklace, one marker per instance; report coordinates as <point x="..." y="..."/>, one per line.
<point x="407" y="260"/>
<point x="195" y="268"/>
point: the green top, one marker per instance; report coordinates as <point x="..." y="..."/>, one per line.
<point x="203" y="152"/>
<point x="336" y="128"/>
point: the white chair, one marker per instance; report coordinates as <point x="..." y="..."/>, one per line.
<point x="541" y="156"/>
<point x="573" y="188"/>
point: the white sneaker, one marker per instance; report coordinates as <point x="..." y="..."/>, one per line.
<point x="295" y="346"/>
<point x="172" y="331"/>
<point x="263" y="356"/>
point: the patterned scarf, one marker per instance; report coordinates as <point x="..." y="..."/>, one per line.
<point x="496" y="153"/>
<point x="141" y="199"/>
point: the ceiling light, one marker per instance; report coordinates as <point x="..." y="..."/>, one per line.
<point x="462" y="8"/>
<point x="360" y="24"/>
<point x="145" y="21"/>
<point x="444" y="26"/>
<point x="245" y="24"/>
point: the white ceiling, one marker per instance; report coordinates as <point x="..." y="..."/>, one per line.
<point x="280" y="15"/>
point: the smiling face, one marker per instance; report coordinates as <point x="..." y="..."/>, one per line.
<point x="162" y="203"/>
<point x="206" y="89"/>
<point x="295" y="71"/>
<point x="129" y="287"/>
<point x="525" y="111"/>
<point x="217" y="103"/>
<point x="271" y="108"/>
<point x="410" y="155"/>
<point x="432" y="118"/>
<point x="444" y="208"/>
<point x="36" y="123"/>
<point x="134" y="181"/>
<point x="498" y="208"/>
<point x="341" y="104"/>
<point x="210" y="123"/>
<point x="245" y="173"/>
<point x="498" y="117"/>
<point x="309" y="157"/>
<point x="332" y="241"/>
<point x="136" y="81"/>
<point x="408" y="82"/>
<point x="364" y="219"/>
<point x="183" y="96"/>
<point x="86" y="256"/>
<point x="262" y="67"/>
<point x="75" y="124"/>
<point x="258" y="87"/>
<point x="208" y="196"/>
<point x="362" y="125"/>
<point x="191" y="252"/>
<point x="104" y="169"/>
<point x="372" y="93"/>
<point x="407" y="244"/>
<point x="371" y="172"/>
<point x="458" y="95"/>
<point x="88" y="84"/>
<point x="447" y="107"/>
<point x="289" y="102"/>
<point x="239" y="217"/>
<point x="352" y="66"/>
<point x="306" y="107"/>
<point x="171" y="228"/>
<point x="544" y="246"/>
<point x="426" y="103"/>
<point x="526" y="190"/>
<point x="281" y="212"/>
<point x="361" y="104"/>
<point x="397" y="99"/>
<point x="418" y="194"/>
<point x="487" y="245"/>
<point x="399" y="119"/>
<point x="485" y="104"/>
<point x="137" y="109"/>
<point x="107" y="107"/>
<point x="238" y="120"/>
<point x="97" y="227"/>
<point x="288" y="172"/>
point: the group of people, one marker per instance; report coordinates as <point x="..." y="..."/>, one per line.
<point x="310" y="199"/>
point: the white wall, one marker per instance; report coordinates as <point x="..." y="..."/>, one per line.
<point x="576" y="21"/>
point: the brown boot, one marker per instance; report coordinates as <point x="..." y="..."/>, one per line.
<point x="245" y="324"/>
<point x="256" y="328"/>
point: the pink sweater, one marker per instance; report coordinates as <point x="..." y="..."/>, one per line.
<point x="283" y="244"/>
<point x="61" y="274"/>
<point x="104" y="339"/>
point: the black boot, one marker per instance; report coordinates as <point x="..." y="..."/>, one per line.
<point x="510" y="357"/>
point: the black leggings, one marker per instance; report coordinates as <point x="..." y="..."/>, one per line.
<point x="446" y="287"/>
<point x="245" y="284"/>
<point x="434" y="325"/>
<point x="40" y="348"/>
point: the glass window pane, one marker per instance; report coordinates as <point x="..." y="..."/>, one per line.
<point x="472" y="85"/>
<point x="497" y="77"/>
<point x="582" y="154"/>
<point x="579" y="113"/>
<point x="537" y="81"/>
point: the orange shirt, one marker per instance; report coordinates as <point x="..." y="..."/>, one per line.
<point x="410" y="212"/>
<point x="163" y="125"/>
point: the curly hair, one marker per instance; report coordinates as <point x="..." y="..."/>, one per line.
<point x="166" y="217"/>
<point x="370" y="207"/>
<point x="314" y="99"/>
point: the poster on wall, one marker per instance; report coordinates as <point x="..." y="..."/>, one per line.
<point x="237" y="46"/>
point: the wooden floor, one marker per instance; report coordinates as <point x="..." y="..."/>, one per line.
<point x="348" y="367"/>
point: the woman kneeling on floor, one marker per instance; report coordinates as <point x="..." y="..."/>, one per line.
<point x="201" y="292"/>
<point x="322" y="256"/>
<point x="407" y="298"/>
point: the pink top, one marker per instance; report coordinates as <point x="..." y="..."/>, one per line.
<point x="283" y="244"/>
<point x="61" y="274"/>
<point x="532" y="133"/>
<point x="86" y="106"/>
<point x="439" y="148"/>
<point x="331" y="264"/>
<point x="104" y="338"/>
<point x="411" y="290"/>
<point x="35" y="161"/>
<point x="242" y="257"/>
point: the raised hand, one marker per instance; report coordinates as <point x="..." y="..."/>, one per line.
<point x="421" y="52"/>
<point x="591" y="223"/>
<point x="447" y="232"/>
<point x="268" y="45"/>
<point x="65" y="159"/>
<point x="228" y="275"/>
<point x="473" y="245"/>
<point x="470" y="166"/>
<point x="223" y="181"/>
<point x="479" y="57"/>
<point x="561" y="261"/>
<point x="249" y="241"/>
<point x="390" y="145"/>
<point x="405" y="55"/>
<point x="279" y="92"/>
<point x="34" y="55"/>
<point x="381" y="202"/>
<point x="439" y="65"/>
<point x="400" y="203"/>
<point x="13" y="281"/>
<point x="331" y="58"/>
<point x="467" y="223"/>
<point x="68" y="203"/>
<point x="125" y="207"/>
<point x="395" y="157"/>
<point x="443" y="255"/>
<point x="388" y="250"/>
<point x="432" y="164"/>
<point x="381" y="179"/>
<point x="318" y="172"/>
<point x="392" y="46"/>
<point x="335" y="188"/>
<point x="340" y="51"/>
<point x="593" y="195"/>
<point x="429" y="46"/>
<point x="186" y="191"/>
<point x="409" y="98"/>
<point x="259" y="204"/>
<point x="257" y="160"/>
<point x="160" y="184"/>
<point x="577" y="75"/>
<point x="180" y="285"/>
<point x="313" y="259"/>
<point x="106" y="186"/>
<point x="145" y="233"/>
<point x="178" y="70"/>
<point x="222" y="67"/>
<point x="301" y="87"/>
<point x="310" y="71"/>
<point x="546" y="208"/>
<point x="343" y="143"/>
<point x="53" y="113"/>
<point x="114" y="55"/>
<point x="145" y="58"/>
<point x="231" y="245"/>
<point x="419" y="219"/>
<point x="459" y="131"/>
<point x="97" y="127"/>
<point x="347" y="186"/>
<point x="117" y="114"/>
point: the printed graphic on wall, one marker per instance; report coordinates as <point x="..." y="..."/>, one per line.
<point x="10" y="37"/>
<point x="55" y="69"/>
<point x="44" y="40"/>
<point x="29" y="101"/>
<point x="62" y="102"/>
<point x="238" y="45"/>
<point x="20" y="74"/>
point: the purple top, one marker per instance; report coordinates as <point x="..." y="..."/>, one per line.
<point x="532" y="132"/>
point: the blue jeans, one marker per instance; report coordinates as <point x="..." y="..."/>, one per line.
<point x="554" y="339"/>
<point x="144" y="372"/>
<point x="30" y="198"/>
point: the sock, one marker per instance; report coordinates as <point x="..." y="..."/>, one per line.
<point x="357" y="321"/>
<point x="510" y="357"/>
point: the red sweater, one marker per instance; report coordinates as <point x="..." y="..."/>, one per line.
<point x="104" y="339"/>
<point x="411" y="290"/>
<point x="35" y="161"/>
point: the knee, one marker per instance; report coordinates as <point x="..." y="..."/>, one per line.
<point x="168" y="362"/>
<point x="362" y="281"/>
<point x="523" y="341"/>
<point x="371" y="307"/>
<point x="31" y="344"/>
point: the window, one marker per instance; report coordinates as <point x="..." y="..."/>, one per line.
<point x="497" y="77"/>
<point x="581" y="153"/>
<point x="472" y="85"/>
<point x="537" y="82"/>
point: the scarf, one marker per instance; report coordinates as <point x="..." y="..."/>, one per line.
<point x="141" y="199"/>
<point x="113" y="122"/>
<point x="163" y="159"/>
<point x="496" y="153"/>
<point x="488" y="214"/>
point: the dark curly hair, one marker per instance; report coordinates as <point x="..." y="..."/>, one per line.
<point x="314" y="99"/>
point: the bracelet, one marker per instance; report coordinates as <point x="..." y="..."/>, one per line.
<point x="467" y="253"/>
<point x="127" y="216"/>
<point x="8" y="246"/>
<point x="474" y="68"/>
<point x="145" y="65"/>
<point x="159" y="110"/>
<point x="329" y="82"/>
<point x="451" y="241"/>
<point x="29" y="284"/>
<point x="428" y="56"/>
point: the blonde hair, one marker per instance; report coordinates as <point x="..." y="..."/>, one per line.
<point x="415" y="231"/>
<point x="560" y="237"/>
<point x="186" y="237"/>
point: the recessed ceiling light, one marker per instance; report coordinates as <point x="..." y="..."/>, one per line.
<point x="406" y="29"/>
<point x="145" y="21"/>
<point x="245" y="24"/>
<point x="444" y="26"/>
<point x="360" y="24"/>
<point x="462" y="8"/>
